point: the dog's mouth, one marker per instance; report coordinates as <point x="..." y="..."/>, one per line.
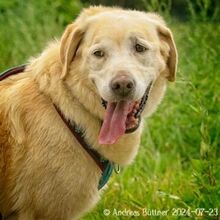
<point x="121" y="117"/>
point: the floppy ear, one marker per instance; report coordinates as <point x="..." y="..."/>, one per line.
<point x="70" y="42"/>
<point x="172" y="56"/>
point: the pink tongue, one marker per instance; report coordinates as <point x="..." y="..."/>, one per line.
<point x="114" y="125"/>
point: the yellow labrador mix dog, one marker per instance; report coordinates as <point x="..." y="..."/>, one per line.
<point x="77" y="109"/>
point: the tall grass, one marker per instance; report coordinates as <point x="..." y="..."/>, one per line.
<point x="178" y="162"/>
<point x="204" y="10"/>
<point x="26" y="27"/>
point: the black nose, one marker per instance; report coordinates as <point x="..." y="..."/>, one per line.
<point x="122" y="85"/>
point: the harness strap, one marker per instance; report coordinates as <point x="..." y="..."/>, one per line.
<point x="12" y="71"/>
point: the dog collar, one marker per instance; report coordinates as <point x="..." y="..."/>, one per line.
<point x="105" y="166"/>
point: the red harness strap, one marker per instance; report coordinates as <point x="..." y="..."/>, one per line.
<point x="12" y="71"/>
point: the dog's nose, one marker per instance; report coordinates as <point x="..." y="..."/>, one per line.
<point x="122" y="85"/>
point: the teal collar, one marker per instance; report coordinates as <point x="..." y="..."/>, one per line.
<point x="106" y="173"/>
<point x="105" y="166"/>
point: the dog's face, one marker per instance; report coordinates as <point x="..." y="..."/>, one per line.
<point x="123" y="54"/>
<point x="122" y="58"/>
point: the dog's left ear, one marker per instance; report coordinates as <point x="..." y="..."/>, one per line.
<point x="170" y="52"/>
<point x="70" y="42"/>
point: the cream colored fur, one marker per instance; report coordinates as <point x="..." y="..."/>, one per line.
<point x="44" y="173"/>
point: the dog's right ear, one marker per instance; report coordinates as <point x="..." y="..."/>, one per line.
<point x="70" y="42"/>
<point x="167" y="44"/>
<point x="166" y="37"/>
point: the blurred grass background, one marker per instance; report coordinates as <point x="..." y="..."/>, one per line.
<point x="178" y="165"/>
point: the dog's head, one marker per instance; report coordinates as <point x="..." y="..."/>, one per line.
<point x="122" y="53"/>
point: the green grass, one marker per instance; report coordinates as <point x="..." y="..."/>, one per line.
<point x="178" y="163"/>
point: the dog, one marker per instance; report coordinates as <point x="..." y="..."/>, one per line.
<point x="77" y="109"/>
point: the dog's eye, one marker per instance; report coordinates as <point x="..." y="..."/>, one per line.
<point x="99" y="53"/>
<point x="140" y="48"/>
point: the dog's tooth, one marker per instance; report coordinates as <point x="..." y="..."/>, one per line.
<point x="104" y="103"/>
